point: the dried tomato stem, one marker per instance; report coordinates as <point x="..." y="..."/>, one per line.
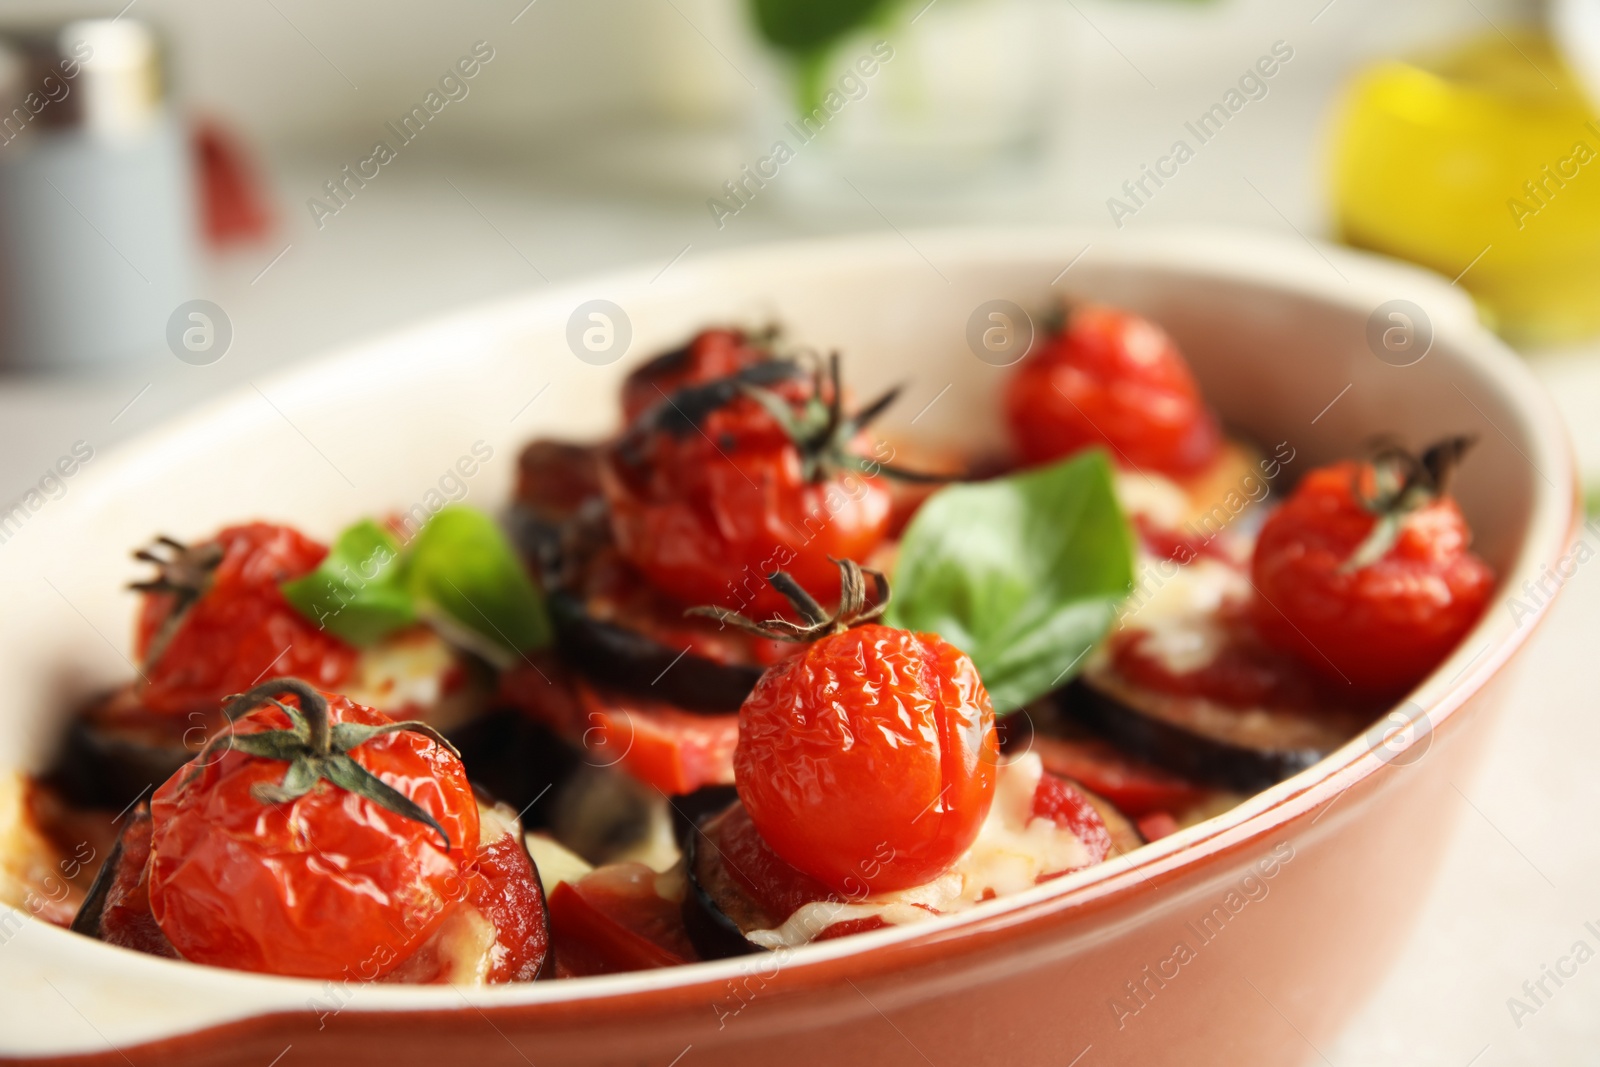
<point x="317" y="749"/>
<point x="313" y="708"/>
<point x="1403" y="483"/>
<point x="185" y="574"/>
<point x="853" y="606"/>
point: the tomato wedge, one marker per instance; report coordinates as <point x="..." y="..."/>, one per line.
<point x="1134" y="787"/>
<point x="616" y="918"/>
<point x="1156" y="825"/>
<point x="656" y="742"/>
<point x="1061" y="801"/>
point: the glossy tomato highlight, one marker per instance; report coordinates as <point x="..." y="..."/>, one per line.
<point x="1377" y="626"/>
<point x="868" y="760"/>
<point x="328" y="885"/>
<point x="1112" y="378"/>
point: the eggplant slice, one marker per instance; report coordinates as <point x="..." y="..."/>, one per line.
<point x="716" y="910"/>
<point x="518" y="761"/>
<point x="628" y="659"/>
<point x="559" y="524"/>
<point x="91" y="913"/>
<point x="111" y="757"/>
<point x="1240" y="749"/>
<point x="117" y="909"/>
<point x="1125" y="836"/>
<point x="719" y="913"/>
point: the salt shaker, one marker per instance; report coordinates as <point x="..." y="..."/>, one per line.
<point x="98" y="224"/>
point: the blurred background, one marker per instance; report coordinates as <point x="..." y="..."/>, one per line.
<point x="194" y="195"/>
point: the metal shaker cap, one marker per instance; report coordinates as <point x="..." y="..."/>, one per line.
<point x="105" y="76"/>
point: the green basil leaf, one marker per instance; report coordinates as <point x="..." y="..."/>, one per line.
<point x="1023" y="573"/>
<point x="356" y="593"/>
<point x="468" y="582"/>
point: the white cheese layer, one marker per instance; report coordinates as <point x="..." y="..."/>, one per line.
<point x="1178" y="606"/>
<point x="1013" y="850"/>
<point x="1161" y="500"/>
<point x="405" y="671"/>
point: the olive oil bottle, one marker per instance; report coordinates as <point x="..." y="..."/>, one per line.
<point x="1482" y="163"/>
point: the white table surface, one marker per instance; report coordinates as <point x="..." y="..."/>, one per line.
<point x="1523" y="874"/>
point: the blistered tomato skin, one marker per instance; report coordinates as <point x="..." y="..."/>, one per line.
<point x="868" y="760"/>
<point x="329" y="885"/>
<point x="706" y="522"/>
<point x="712" y="354"/>
<point x="1379" y="628"/>
<point x="242" y="629"/>
<point x="1114" y="379"/>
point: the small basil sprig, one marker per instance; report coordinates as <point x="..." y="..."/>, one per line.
<point x="458" y="574"/>
<point x="467" y="580"/>
<point x="357" y="593"/>
<point x="1023" y="573"/>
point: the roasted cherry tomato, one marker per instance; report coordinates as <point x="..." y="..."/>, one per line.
<point x="264" y="865"/>
<point x="215" y="622"/>
<point x="1368" y="585"/>
<point x="711" y="354"/>
<point x="706" y="509"/>
<point x="1111" y="378"/>
<point x="868" y="760"/>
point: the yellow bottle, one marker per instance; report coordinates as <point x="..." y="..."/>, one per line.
<point x="1482" y="163"/>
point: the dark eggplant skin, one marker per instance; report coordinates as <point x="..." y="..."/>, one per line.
<point x="108" y="761"/>
<point x="559" y="524"/>
<point x="714" y="934"/>
<point x="615" y="655"/>
<point x="1152" y="726"/>
<point x="119" y="886"/>
<point x="92" y="910"/>
<point x="692" y="810"/>
<point x="514" y="759"/>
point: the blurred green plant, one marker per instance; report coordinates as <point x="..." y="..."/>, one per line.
<point x="807" y="30"/>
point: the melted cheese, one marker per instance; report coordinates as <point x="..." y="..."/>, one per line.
<point x="555" y="862"/>
<point x="1178" y="607"/>
<point x="408" y="671"/>
<point x="1159" y="499"/>
<point x="1013" y="850"/>
<point x="465" y="947"/>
